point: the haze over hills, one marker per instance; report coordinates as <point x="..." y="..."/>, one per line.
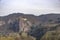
<point x="41" y="18"/>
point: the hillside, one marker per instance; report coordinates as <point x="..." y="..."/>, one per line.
<point x="35" y="26"/>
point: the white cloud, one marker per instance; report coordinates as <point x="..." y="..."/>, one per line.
<point x="36" y="7"/>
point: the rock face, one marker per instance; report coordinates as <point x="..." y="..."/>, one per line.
<point x="24" y="24"/>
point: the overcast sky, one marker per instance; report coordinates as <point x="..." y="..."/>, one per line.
<point x="36" y="7"/>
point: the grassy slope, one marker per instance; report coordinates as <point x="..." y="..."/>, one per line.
<point x="52" y="35"/>
<point x="16" y="37"/>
